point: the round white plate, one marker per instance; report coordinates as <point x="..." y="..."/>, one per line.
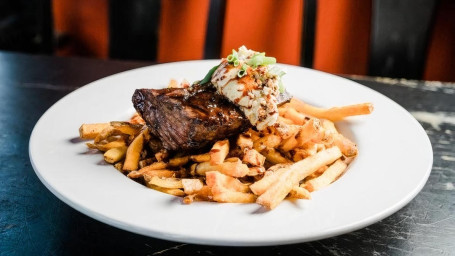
<point x="394" y="162"/>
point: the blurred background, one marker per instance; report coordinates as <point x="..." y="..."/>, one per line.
<point x="412" y="39"/>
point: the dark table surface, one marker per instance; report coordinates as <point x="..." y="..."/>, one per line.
<point x="34" y="222"/>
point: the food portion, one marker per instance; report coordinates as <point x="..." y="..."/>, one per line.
<point x="189" y="118"/>
<point x="202" y="142"/>
<point x="248" y="80"/>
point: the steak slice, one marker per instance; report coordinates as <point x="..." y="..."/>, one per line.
<point x="189" y="119"/>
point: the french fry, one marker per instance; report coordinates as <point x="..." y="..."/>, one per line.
<point x="260" y="186"/>
<point x="256" y="170"/>
<point x="226" y="189"/>
<point x="253" y="157"/>
<point x="219" y="152"/>
<point x="153" y="166"/>
<point x="204" y="194"/>
<point x="133" y="154"/>
<point x="126" y="127"/>
<point x="284" y="120"/>
<point x="192" y="186"/>
<point x="312" y="130"/>
<point x="244" y="142"/>
<point x="114" y="155"/>
<point x="347" y="147"/>
<point x="90" y="131"/>
<point x="289" y="144"/>
<point x="204" y="167"/>
<point x="107" y="146"/>
<point x="334" y="113"/>
<point x="299" y="193"/>
<point x="173" y="84"/>
<point x="296" y="117"/>
<point x="178" y="161"/>
<point x="297" y="172"/>
<point x="200" y="158"/>
<point x="274" y="156"/>
<point x="104" y="134"/>
<point x="327" y="177"/>
<point x="170" y="191"/>
<point x="234" y="167"/>
<point x="136" y="119"/>
<point x="228" y="182"/>
<point x="268" y="141"/>
<point x="148" y="174"/>
<point x="165" y="182"/>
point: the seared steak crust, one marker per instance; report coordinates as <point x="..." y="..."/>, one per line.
<point x="189" y="119"/>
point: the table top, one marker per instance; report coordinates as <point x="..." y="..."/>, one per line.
<point x="34" y="222"/>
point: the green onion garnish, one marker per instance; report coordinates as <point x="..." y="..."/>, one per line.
<point x="242" y="71"/>
<point x="260" y="60"/>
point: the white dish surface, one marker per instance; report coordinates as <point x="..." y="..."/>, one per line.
<point x="394" y="162"/>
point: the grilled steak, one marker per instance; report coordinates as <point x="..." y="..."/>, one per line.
<point x="189" y="119"/>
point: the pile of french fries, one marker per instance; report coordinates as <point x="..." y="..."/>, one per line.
<point x="302" y="153"/>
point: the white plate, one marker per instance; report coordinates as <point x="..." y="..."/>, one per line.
<point x="393" y="165"/>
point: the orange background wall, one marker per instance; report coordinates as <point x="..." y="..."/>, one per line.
<point x="341" y="40"/>
<point x="85" y="22"/>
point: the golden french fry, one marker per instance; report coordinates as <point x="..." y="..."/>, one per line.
<point x="178" y="161"/>
<point x="253" y="157"/>
<point x="296" y="117"/>
<point x="133" y="154"/>
<point x="347" y="147"/>
<point x="327" y="177"/>
<point x="137" y="119"/>
<point x="173" y="84"/>
<point x="226" y="189"/>
<point x="104" y="134"/>
<point x="334" y="113"/>
<point x="299" y="193"/>
<point x="284" y="120"/>
<point x="90" y="131"/>
<point x="268" y="141"/>
<point x="126" y="127"/>
<point x="114" y="155"/>
<point x="217" y="178"/>
<point x="192" y="186"/>
<point x="204" y="167"/>
<point x="274" y="156"/>
<point x="107" y="146"/>
<point x="234" y="167"/>
<point x="170" y="191"/>
<point x="165" y="182"/>
<point x="311" y="130"/>
<point x="148" y="174"/>
<point x="244" y="142"/>
<point x="256" y="170"/>
<point x="260" y="186"/>
<point x="297" y="172"/>
<point x="153" y="166"/>
<point x="219" y="152"/>
<point x="289" y="144"/>
<point x="200" y="158"/>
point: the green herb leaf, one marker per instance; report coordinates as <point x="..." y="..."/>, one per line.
<point x="208" y="77"/>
